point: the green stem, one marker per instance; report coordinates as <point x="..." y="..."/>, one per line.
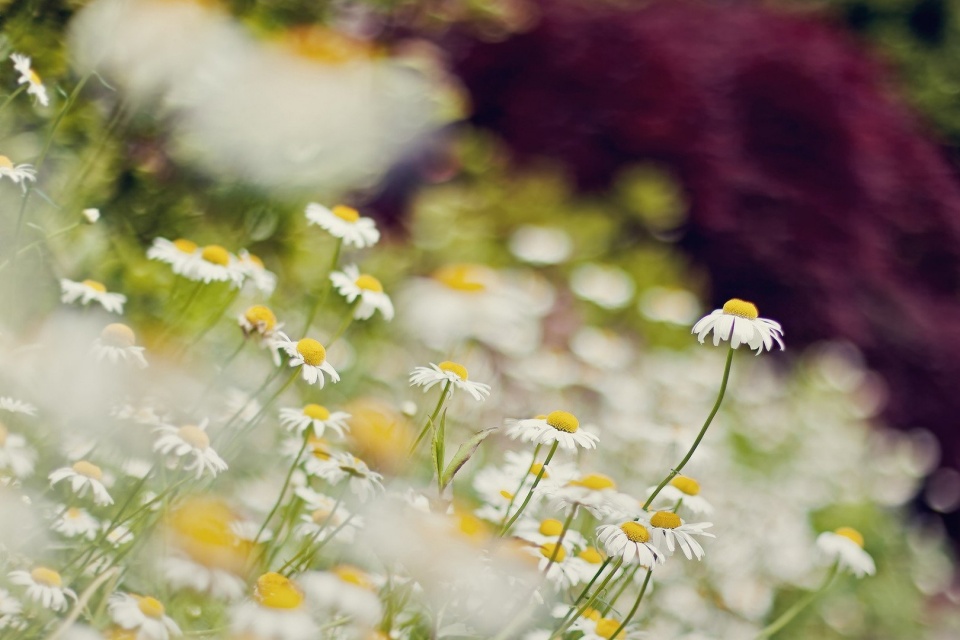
<point x="325" y="292"/>
<point x="559" y="543"/>
<point x="586" y="605"/>
<point x="798" y="606"/>
<point x="346" y="322"/>
<point x="433" y="417"/>
<point x="12" y="96"/>
<point x="513" y="496"/>
<point x="636" y="605"/>
<point x="623" y="587"/>
<point x="283" y="489"/>
<point x="536" y="481"/>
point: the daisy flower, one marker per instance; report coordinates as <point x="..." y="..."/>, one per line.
<point x="190" y="441"/>
<point x="215" y="264"/>
<point x="181" y="572"/>
<point x="17" y="406"/>
<point x="142" y="614"/>
<point x="686" y="491"/>
<point x="76" y="523"/>
<point x="588" y="561"/>
<point x="598" y="628"/>
<point x="118" y="535"/>
<point x="83" y="475"/>
<point x="668" y="531"/>
<point x="845" y="547"/>
<point x="91" y="215"/>
<point x="310" y="356"/>
<point x="10" y="610"/>
<point x="258" y="320"/>
<point x="28" y="76"/>
<point x="180" y="254"/>
<point x="345" y="223"/>
<point x="352" y="284"/>
<point x="595" y="492"/>
<point x="337" y="523"/>
<point x="91" y="290"/>
<point x="344" y="589"/>
<point x="44" y="587"/>
<point x="117" y="342"/>
<point x="448" y="372"/>
<point x="276" y="612"/>
<point x="315" y="417"/>
<point x="253" y="268"/>
<point x="15" y="455"/>
<point x="19" y="173"/>
<point x="545" y="531"/>
<point x="559" y="426"/>
<point x="630" y="541"/>
<point x="340" y="466"/>
<point x="739" y="322"/>
<point x="559" y="570"/>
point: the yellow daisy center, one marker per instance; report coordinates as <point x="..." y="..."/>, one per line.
<point x="741" y="308"/>
<point x="506" y="494"/>
<point x="686" y="485"/>
<point x="536" y="468"/>
<point x="591" y="614"/>
<point x="635" y="532"/>
<point x="316" y="412"/>
<point x="470" y="525"/>
<point x="34" y="78"/>
<point x="346" y="213"/>
<point x="563" y="421"/>
<point x="312" y="352"/>
<point x="606" y="627"/>
<point x="261" y="316"/>
<point x="73" y="513"/>
<point x="5" y="163"/>
<point x="548" y="549"/>
<point x="151" y="607"/>
<point x="461" y="277"/>
<point x="551" y="527"/>
<point x="591" y="555"/>
<point x="320" y="515"/>
<point x="368" y="283"/>
<point x="215" y="254"/>
<point x="184" y="245"/>
<point x="87" y="469"/>
<point x="118" y="334"/>
<point x="46" y="577"/>
<point x="851" y="534"/>
<point x="96" y="286"/>
<point x="354" y="576"/>
<point x="666" y="520"/>
<point x="194" y="436"/>
<point x="277" y="592"/>
<point x="453" y="367"/>
<point x="595" y="481"/>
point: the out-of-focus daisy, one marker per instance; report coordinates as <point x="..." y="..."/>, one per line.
<point x="310" y="356"/>
<point x="117" y="343"/>
<point x="215" y="264"/>
<point x="10" y="610"/>
<point x="315" y="417"/>
<point x="340" y="466"/>
<point x="276" y="612"/>
<point x="595" y="492"/>
<point x="588" y="561"/>
<point x="44" y="587"/>
<point x="180" y="254"/>
<point x="344" y="222"/>
<point x="687" y="490"/>
<point x="118" y="535"/>
<point x="541" y="245"/>
<point x="143" y="614"/>
<point x="17" y="406"/>
<point x="451" y="372"/>
<point x="19" y="173"/>
<point x="91" y="215"/>
<point x="75" y="523"/>
<point x="606" y="286"/>
<point x="739" y="322"/>
<point x="190" y="441"/>
<point x="83" y="475"/>
<point x="546" y="531"/>
<point x="29" y="77"/>
<point x="630" y="541"/>
<point x="323" y="520"/>
<point x="181" y="572"/>
<point x="668" y="531"/>
<point x="344" y="589"/>
<point x="352" y="284"/>
<point x="258" y="320"/>
<point x="91" y="290"/>
<point x="596" y="627"/>
<point x="15" y="455"/>
<point x="845" y="546"/>
<point x="558" y="426"/>
<point x="554" y="560"/>
<point x="253" y="268"/>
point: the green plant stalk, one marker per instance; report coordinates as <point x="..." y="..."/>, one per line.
<point x="636" y="605"/>
<point x="579" y="612"/>
<point x="433" y="416"/>
<point x="536" y="481"/>
<point x="322" y="298"/>
<point x="283" y="489"/>
<point x="787" y="616"/>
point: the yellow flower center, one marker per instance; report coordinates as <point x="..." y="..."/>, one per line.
<point x="316" y="412"/>
<point x="551" y="527"/>
<point x="470" y="525"/>
<point x="741" y="308"/>
<point x="5" y="163"/>
<point x="635" y="532"/>
<point x="215" y="254"/>
<point x="87" y="469"/>
<point x="354" y="576"/>
<point x="591" y="555"/>
<point x="461" y="277"/>
<point x="96" y="286"/>
<point x="184" y="245"/>
<point x="277" y="592"/>
<point x="595" y="481"/>
<point x="312" y="352"/>
<point x="320" y="515"/>
<point x="591" y="614"/>
<point x="319" y="447"/>
<point x="666" y="520"/>
<point x="344" y="212"/>
<point x="118" y="334"/>
<point x="73" y="513"/>
<point x="46" y="577"/>
<point x="606" y="627"/>
<point x="535" y="469"/>
<point x="194" y="436"/>
<point x="368" y="283"/>
<point x="151" y="607"/>
<point x="548" y="549"/>
<point x="34" y="78"/>
<point x="506" y="494"/>
<point x="453" y="367"/>
<point x="563" y="421"/>
<point x="686" y="485"/>
<point x="261" y="317"/>
<point x="851" y="534"/>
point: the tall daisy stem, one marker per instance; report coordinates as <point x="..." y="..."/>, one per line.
<point x="513" y="496"/>
<point x="787" y="616"/>
<point x="283" y="489"/>
<point x="433" y="416"/>
<point x="628" y="578"/>
<point x="586" y="605"/>
<point x="636" y="605"/>
<point x="559" y="543"/>
<point x="322" y="297"/>
<point x="536" y="481"/>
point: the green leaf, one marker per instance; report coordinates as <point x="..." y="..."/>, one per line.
<point x="439" y="434"/>
<point x="466" y="450"/>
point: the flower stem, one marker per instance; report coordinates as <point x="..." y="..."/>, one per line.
<point x="513" y="496"/>
<point x="322" y="298"/>
<point x="283" y="489"/>
<point x="433" y="417"/>
<point x="798" y="606"/>
<point x="559" y="542"/>
<point x="636" y="605"/>
<point x="623" y="587"/>
<point x="536" y="481"/>
<point x="579" y="612"/>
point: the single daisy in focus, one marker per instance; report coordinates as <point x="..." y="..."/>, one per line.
<point x="76" y="523"/>
<point x="143" y="614"/>
<point x="310" y="356"/>
<point x="595" y="492"/>
<point x="15" y="455"/>
<point x="347" y="590"/>
<point x="559" y="426"/>
<point x="685" y="491"/>
<point x="449" y="373"/>
<point x="345" y="223"/>
<point x="44" y="587"/>
<point x="10" y="610"/>
<point x="253" y="268"/>
<point x="17" y="406"/>
<point x="275" y="613"/>
<point x="630" y="541"/>
<point x="258" y="320"/>
<point x="845" y="547"/>
<point x="180" y="254"/>
<point x="739" y="322"/>
<point x="352" y="284"/>
<point x="19" y="173"/>
<point x="29" y="77"/>
<point x="215" y="264"/>
<point x="190" y="441"/>
<point x="83" y="475"/>
<point x="315" y="417"/>
<point x="668" y="531"/>
<point x="117" y="342"/>
<point x="91" y="291"/>
<point x="340" y="466"/>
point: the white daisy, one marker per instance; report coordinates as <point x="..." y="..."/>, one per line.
<point x="340" y="466"/>
<point x="15" y="455"/>
<point x="44" y="586"/>
<point x="215" y="264"/>
<point x="19" y="173"/>
<point x="596" y="627"/>
<point x="322" y="518"/>
<point x="117" y="343"/>
<point x="142" y="614"/>
<point x="545" y="531"/>
<point x="686" y="491"/>
<point x="190" y="441"/>
<point x="315" y="417"/>
<point x="739" y="322"/>
<point x="75" y="523"/>
<point x="91" y="215"/>
<point x="28" y="76"/>
<point x="183" y="573"/>
<point x="352" y="284"/>
<point x="344" y="222"/>
<point x="630" y="541"/>
<point x="559" y="426"/>
<point x="344" y="589"/>
<point x="310" y="356"/>
<point x="451" y="372"/>
<point x="253" y="268"/>
<point x="560" y="571"/>
<point x="668" y="531"/>
<point x="275" y="613"/>
<point x="845" y="546"/>
<point x="91" y="290"/>
<point x="588" y="561"/>
<point x="10" y="610"/>
<point x="180" y="254"/>
<point x="258" y="320"/>
<point x="17" y="406"/>
<point x="119" y="535"/>
<point x="83" y="475"/>
<point x="595" y="492"/>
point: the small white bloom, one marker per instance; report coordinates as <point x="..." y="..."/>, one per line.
<point x="145" y="615"/>
<point x="340" y="466"/>
<point x="180" y="254"/>
<point x="10" y="610"/>
<point x="315" y="417"/>
<point x="345" y="223"/>
<point x="545" y="531"/>
<point x="213" y="263"/>
<point x="17" y="406"/>
<point x="309" y="355"/>
<point x="668" y="531"/>
<point x="28" y="76"/>
<point x="448" y="372"/>
<point x="541" y="245"/>
<point x="686" y="491"/>
<point x="323" y="521"/>
<point x="182" y="573"/>
<point x="83" y="475"/>
<point x="346" y="590"/>
<point x="15" y="454"/>
<point x="352" y="284"/>
<point x="190" y="441"/>
<point x="75" y="523"/>
<point x="595" y="492"/>
<point x="19" y="173"/>
<point x="91" y="290"/>
<point x="91" y="215"/>
<point x="118" y="535"/>
<point x="845" y="546"/>
<point x="44" y="587"/>
<point x="559" y="426"/>
<point x="630" y="541"/>
<point x="263" y="280"/>
<point x="260" y="321"/>
<point x="739" y="322"/>
<point x="117" y="343"/>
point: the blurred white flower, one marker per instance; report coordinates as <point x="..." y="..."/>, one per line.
<point x="190" y="441"/>
<point x="117" y="343"/>
<point x="345" y="223"/>
<point x="344" y="589"/>
<point x="91" y="215"/>
<point x="264" y="280"/>
<point x="180" y="254"/>
<point x="28" y="76"/>
<point x="91" y="291"/>
<point x="739" y="322"/>
<point x="341" y="466"/>
<point x="182" y="573"/>
<point x="19" y="173"/>
<point x="277" y="611"/>
<point x="351" y="284"/>
<point x="10" y="610"/>
<point x="76" y="522"/>
<point x="17" y="406"/>
<point x="686" y="491"/>
<point x="448" y="372"/>
<point x="316" y="418"/>
<point x="83" y="475"/>
<point x="676" y="306"/>
<point x="16" y="455"/>
<point x="845" y="547"/>
<point x="606" y="286"/>
<point x="143" y="614"/>
<point x="44" y="587"/>
<point x="541" y="245"/>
